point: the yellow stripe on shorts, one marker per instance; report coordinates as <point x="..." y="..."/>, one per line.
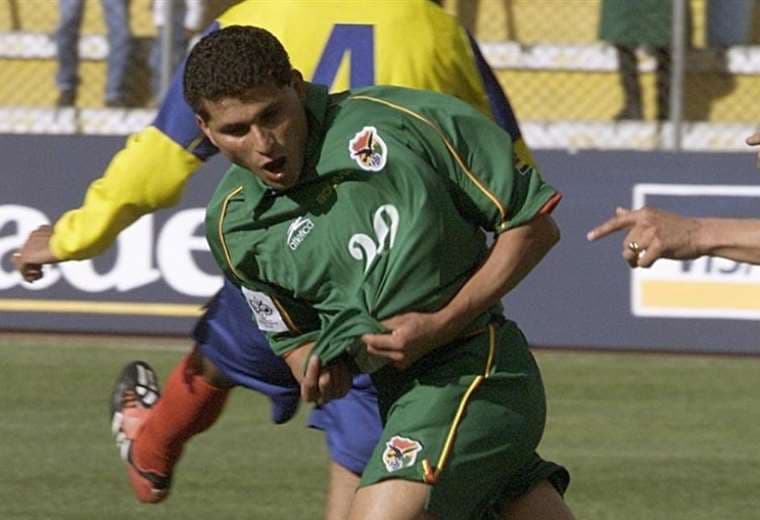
<point x="431" y="473"/>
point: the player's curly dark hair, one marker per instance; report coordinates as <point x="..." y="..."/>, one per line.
<point x="230" y="62"/>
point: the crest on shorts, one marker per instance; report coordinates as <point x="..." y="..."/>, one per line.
<point x="368" y="149"/>
<point x="400" y="453"/>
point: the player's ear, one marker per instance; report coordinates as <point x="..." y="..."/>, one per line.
<point x="297" y="82"/>
<point x="204" y="128"/>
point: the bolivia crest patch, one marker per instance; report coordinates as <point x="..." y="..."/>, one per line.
<point x="368" y="149"/>
<point x="400" y="452"/>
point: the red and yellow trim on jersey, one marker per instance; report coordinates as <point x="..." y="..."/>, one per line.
<point x="431" y="473"/>
<point x="550" y="204"/>
<point x="285" y="316"/>
<point x="220" y="232"/>
<point x="228" y="259"/>
<point x="470" y="174"/>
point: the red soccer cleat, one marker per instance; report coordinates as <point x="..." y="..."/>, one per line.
<point x="135" y="393"/>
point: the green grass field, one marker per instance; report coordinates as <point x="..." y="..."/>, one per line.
<point x="645" y="437"/>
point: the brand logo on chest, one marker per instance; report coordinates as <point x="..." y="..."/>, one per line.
<point x="298" y="230"/>
<point x="368" y="149"/>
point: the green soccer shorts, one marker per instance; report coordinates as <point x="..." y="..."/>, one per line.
<point x="466" y="420"/>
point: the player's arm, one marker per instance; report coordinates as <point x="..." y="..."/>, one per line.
<point x="149" y="173"/>
<point x="513" y="255"/>
<point x="319" y="381"/>
<point x="501" y="191"/>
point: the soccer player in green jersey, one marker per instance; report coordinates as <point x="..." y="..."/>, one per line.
<point x="355" y="224"/>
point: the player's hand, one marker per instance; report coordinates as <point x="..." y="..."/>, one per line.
<point x="410" y="336"/>
<point x="652" y="234"/>
<point x="34" y="254"/>
<point x="321" y="384"/>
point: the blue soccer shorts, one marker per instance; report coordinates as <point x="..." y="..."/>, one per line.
<point x="229" y="338"/>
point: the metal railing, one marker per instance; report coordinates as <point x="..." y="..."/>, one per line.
<point x="571" y="85"/>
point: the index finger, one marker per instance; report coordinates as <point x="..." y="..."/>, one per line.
<point x="379" y="341"/>
<point x="612" y="225"/>
<point x="754" y="139"/>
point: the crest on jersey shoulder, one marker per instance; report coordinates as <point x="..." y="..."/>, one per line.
<point x="368" y="149"/>
<point x="400" y="453"/>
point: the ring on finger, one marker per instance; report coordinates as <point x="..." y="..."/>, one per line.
<point x="636" y="248"/>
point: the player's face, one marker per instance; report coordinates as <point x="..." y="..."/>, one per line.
<point x="264" y="132"/>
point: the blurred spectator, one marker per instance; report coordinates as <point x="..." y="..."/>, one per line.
<point x="116" y="17"/>
<point x="15" y="19"/>
<point x="467" y="12"/>
<point x="729" y="23"/>
<point x="642" y="23"/>
<point x="187" y="20"/>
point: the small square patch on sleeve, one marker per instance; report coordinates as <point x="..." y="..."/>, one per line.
<point x="265" y="312"/>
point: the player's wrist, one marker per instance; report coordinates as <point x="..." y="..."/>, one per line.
<point x="297" y="358"/>
<point x="447" y="324"/>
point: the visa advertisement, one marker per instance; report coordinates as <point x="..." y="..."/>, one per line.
<point x="584" y="295"/>
<point x="706" y="287"/>
<point x="159" y="273"/>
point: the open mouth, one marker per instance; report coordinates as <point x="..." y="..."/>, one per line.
<point x="275" y="166"/>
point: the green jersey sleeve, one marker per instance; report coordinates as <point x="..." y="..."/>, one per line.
<point x="495" y="182"/>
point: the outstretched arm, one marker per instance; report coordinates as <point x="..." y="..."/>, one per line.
<point x="653" y="233"/>
<point x="149" y="173"/>
<point x="513" y="255"/>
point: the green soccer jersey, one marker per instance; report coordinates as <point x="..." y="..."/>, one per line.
<point x="397" y="190"/>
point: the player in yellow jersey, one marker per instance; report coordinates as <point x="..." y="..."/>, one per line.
<point x="411" y="43"/>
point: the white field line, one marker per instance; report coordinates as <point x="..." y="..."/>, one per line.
<point x="99" y="341"/>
